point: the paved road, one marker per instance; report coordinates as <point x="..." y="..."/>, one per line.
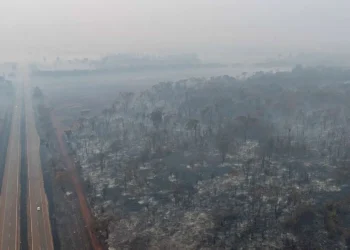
<point x="39" y="228"/>
<point x="9" y="200"/>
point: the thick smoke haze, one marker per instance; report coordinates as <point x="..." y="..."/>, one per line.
<point x="91" y="27"/>
<point x="174" y="124"/>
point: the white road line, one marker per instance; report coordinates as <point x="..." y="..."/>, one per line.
<point x="6" y="186"/>
<point x="18" y="148"/>
<point x="41" y="197"/>
<point x="34" y="174"/>
<point x="8" y="155"/>
<point x="29" y="193"/>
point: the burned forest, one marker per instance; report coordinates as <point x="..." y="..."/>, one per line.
<point x="253" y="162"/>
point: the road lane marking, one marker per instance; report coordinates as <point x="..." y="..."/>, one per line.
<point x="41" y="197"/>
<point x="6" y="186"/>
<point x="29" y="176"/>
<point x="18" y="148"/>
<point x="34" y="175"/>
<point x="9" y="156"/>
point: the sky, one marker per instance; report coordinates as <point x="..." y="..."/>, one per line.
<point x="81" y="27"/>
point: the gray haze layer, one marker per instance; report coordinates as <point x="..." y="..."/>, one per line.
<point x="90" y="27"/>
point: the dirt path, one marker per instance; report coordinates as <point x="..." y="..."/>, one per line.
<point x="84" y="207"/>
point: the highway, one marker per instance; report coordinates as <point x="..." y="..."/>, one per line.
<point x="10" y="194"/>
<point x="39" y="228"/>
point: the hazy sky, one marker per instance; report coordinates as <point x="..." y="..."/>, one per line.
<point x="81" y="26"/>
